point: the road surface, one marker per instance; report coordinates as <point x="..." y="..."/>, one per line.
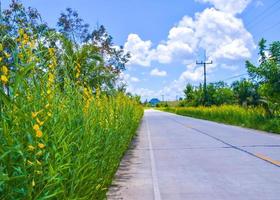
<point x="175" y="157"/>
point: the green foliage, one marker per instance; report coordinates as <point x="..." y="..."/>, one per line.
<point x="217" y="94"/>
<point x="246" y="92"/>
<point x="263" y="89"/>
<point x="82" y="149"/>
<point x="189" y="92"/>
<point x="72" y="26"/>
<point x="251" y="117"/>
<point x="267" y="74"/>
<point x="63" y="126"/>
<point x="259" y="96"/>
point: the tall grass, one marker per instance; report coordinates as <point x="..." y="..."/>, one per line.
<point x="232" y="114"/>
<point x="57" y="141"/>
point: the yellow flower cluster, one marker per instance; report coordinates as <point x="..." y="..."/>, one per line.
<point x="37" y="164"/>
<point x="51" y="73"/>
<point x="37" y="130"/>
<point x="4" y="69"/>
<point x="26" y="44"/>
<point x="4" y="76"/>
<point x="78" y="70"/>
<point x="23" y="37"/>
<point x="88" y="97"/>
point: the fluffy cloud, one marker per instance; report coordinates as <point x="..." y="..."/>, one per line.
<point x="219" y="30"/>
<point x="139" y="50"/>
<point x="157" y="72"/>
<point x="222" y="34"/>
<point x="134" y="79"/>
<point x="192" y="75"/>
<point x="127" y="78"/>
<point x="229" y="6"/>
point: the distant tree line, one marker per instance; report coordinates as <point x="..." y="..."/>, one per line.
<point x="262" y="88"/>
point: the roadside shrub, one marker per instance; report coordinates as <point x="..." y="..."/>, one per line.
<point x="251" y="117"/>
<point x="60" y="139"/>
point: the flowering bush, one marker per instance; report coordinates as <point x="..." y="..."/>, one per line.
<point x="60" y="138"/>
<point x="252" y="117"/>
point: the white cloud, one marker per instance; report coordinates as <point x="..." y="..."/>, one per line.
<point x="222" y="34"/>
<point x="218" y="30"/>
<point x="139" y="50"/>
<point x="127" y="78"/>
<point x="192" y="75"/>
<point x="157" y="72"/>
<point x="230" y="67"/>
<point x="134" y="79"/>
<point x="229" y="6"/>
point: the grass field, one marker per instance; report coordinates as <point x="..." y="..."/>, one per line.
<point x="231" y="114"/>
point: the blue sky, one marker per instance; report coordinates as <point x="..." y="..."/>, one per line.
<point x="166" y="37"/>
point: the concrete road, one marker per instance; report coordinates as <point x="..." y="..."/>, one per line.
<point x="175" y="157"/>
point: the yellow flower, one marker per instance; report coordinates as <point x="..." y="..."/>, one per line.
<point x="39" y="122"/>
<point x="25" y="37"/>
<point x="51" y="78"/>
<point x="4" y="79"/>
<point x="51" y="52"/>
<point x="39" y="133"/>
<point x="36" y="127"/>
<point x="32" y="44"/>
<point x="51" y="66"/>
<point x="5" y="70"/>
<point x="20" y="55"/>
<point x="31" y="148"/>
<point x="34" y="114"/>
<point x="7" y="55"/>
<point x="41" y="145"/>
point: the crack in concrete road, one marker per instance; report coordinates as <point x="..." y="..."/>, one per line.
<point x="275" y="163"/>
<point x="179" y="158"/>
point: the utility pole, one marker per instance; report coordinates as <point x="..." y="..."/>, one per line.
<point x="204" y="63"/>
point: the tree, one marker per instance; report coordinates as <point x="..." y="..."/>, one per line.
<point x="72" y="26"/>
<point x="267" y="73"/>
<point x="17" y="16"/>
<point x="189" y="93"/>
<point x="115" y="57"/>
<point x="220" y="94"/>
<point x="245" y="92"/>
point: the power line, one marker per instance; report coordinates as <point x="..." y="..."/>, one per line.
<point x="271" y="27"/>
<point x="260" y="17"/>
<point x="232" y="77"/>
